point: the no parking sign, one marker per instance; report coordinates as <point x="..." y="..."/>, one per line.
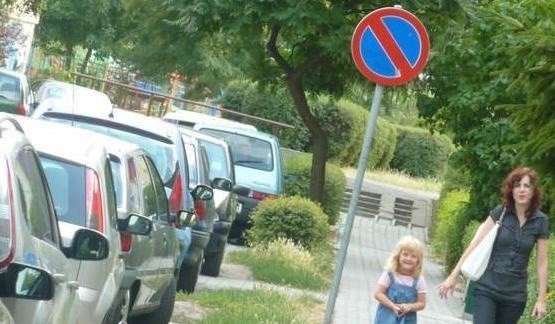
<point x="390" y="46"/>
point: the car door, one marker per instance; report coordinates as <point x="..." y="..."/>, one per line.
<point x="158" y="234"/>
<point x="169" y="248"/>
<point x="44" y="249"/>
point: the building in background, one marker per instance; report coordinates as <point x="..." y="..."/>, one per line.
<point x="18" y="32"/>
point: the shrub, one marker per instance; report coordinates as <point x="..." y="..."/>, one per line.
<point x="449" y="227"/>
<point x="295" y="218"/>
<point x="297" y="169"/>
<point x="420" y="153"/>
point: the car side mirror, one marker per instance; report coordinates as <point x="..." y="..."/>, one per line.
<point x="88" y="244"/>
<point x="135" y="224"/>
<point x="186" y="218"/>
<point x="202" y="192"/>
<point x="222" y="184"/>
<point x="241" y="190"/>
<point x="26" y="282"/>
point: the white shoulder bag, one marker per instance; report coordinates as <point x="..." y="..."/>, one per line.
<point x="477" y="261"/>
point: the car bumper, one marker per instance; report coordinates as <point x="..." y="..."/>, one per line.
<point x="245" y="205"/>
<point x="199" y="241"/>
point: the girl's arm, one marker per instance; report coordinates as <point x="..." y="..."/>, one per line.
<point x="540" y="306"/>
<point x="419" y="305"/>
<point x="381" y="297"/>
<point x="449" y="283"/>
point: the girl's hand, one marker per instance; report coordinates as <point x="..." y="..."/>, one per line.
<point x="396" y="309"/>
<point x="405" y="308"/>
<point x="539" y="310"/>
<point x="447" y="286"/>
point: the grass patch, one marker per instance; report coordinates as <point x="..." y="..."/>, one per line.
<point x="282" y="262"/>
<point x="398" y="179"/>
<point x="255" y="306"/>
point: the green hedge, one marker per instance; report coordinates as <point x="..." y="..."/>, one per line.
<point x="345" y="149"/>
<point x="295" y="218"/>
<point x="297" y="169"/>
<point x="421" y="154"/>
<point x="448" y="228"/>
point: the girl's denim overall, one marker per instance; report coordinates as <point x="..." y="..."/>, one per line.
<point x="399" y="294"/>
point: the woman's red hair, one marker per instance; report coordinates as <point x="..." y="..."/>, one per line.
<point x="512" y="179"/>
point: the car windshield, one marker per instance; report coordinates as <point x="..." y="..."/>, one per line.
<point x="219" y="167"/>
<point x="9" y="87"/>
<point x="246" y="151"/>
<point x="67" y="186"/>
<point x="161" y="152"/>
<point x="5" y="223"/>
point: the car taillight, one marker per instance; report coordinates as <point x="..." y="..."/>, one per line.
<point x="176" y="197"/>
<point x="200" y="209"/>
<point x="126" y="241"/>
<point x="9" y="228"/>
<point x="261" y="196"/>
<point x="21" y="109"/>
<point x="95" y="217"/>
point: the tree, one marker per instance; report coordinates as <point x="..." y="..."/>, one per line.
<point x="33" y="6"/>
<point x="91" y="24"/>
<point x="304" y="44"/>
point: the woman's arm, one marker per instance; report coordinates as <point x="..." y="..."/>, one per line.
<point x="541" y="263"/>
<point x="381" y="297"/>
<point x="449" y="283"/>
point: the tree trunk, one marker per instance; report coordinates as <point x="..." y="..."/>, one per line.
<point x="69" y="57"/>
<point x="318" y="135"/>
<point x="86" y="60"/>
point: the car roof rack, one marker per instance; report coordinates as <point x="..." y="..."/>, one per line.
<point x="13" y="121"/>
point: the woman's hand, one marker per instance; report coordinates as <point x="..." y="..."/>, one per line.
<point x="539" y="310"/>
<point x="447" y="286"/>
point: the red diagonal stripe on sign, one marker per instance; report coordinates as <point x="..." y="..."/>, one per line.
<point x="390" y="46"/>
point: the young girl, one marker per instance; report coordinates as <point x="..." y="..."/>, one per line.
<point x="401" y="289"/>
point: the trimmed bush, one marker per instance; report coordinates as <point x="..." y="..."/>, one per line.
<point x="421" y="154"/>
<point x="449" y="227"/>
<point x="295" y="218"/>
<point x="297" y="169"/>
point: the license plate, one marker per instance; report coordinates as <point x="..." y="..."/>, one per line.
<point x="239" y="208"/>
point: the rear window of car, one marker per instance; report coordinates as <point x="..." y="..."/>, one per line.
<point x="162" y="153"/>
<point x="192" y="160"/>
<point x="219" y="166"/>
<point x="67" y="186"/>
<point x="9" y="87"/>
<point x="247" y="151"/>
<point x="5" y="222"/>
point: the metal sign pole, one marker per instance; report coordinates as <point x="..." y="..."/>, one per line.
<point x="346" y="236"/>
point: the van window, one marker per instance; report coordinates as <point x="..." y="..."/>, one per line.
<point x="247" y="151"/>
<point x="217" y="157"/>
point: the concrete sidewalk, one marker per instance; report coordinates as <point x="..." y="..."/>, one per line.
<point x="370" y="245"/>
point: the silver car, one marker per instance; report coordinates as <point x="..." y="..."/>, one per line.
<point x="80" y="179"/>
<point x="38" y="284"/>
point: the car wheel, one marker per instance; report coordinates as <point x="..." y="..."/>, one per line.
<point x="163" y="313"/>
<point x="212" y="264"/>
<point x="188" y="277"/>
<point x="118" y="312"/>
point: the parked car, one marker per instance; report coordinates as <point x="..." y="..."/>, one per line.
<point x="164" y="144"/>
<point x="80" y="179"/>
<point x="189" y="119"/>
<point x="36" y="280"/>
<point x="258" y="167"/>
<point x="61" y="96"/>
<point x="151" y="262"/>
<point x="15" y="94"/>
<point x="210" y="163"/>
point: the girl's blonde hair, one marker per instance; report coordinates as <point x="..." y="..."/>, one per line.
<point x="406" y="243"/>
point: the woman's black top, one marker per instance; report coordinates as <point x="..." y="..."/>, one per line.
<point x="506" y="274"/>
